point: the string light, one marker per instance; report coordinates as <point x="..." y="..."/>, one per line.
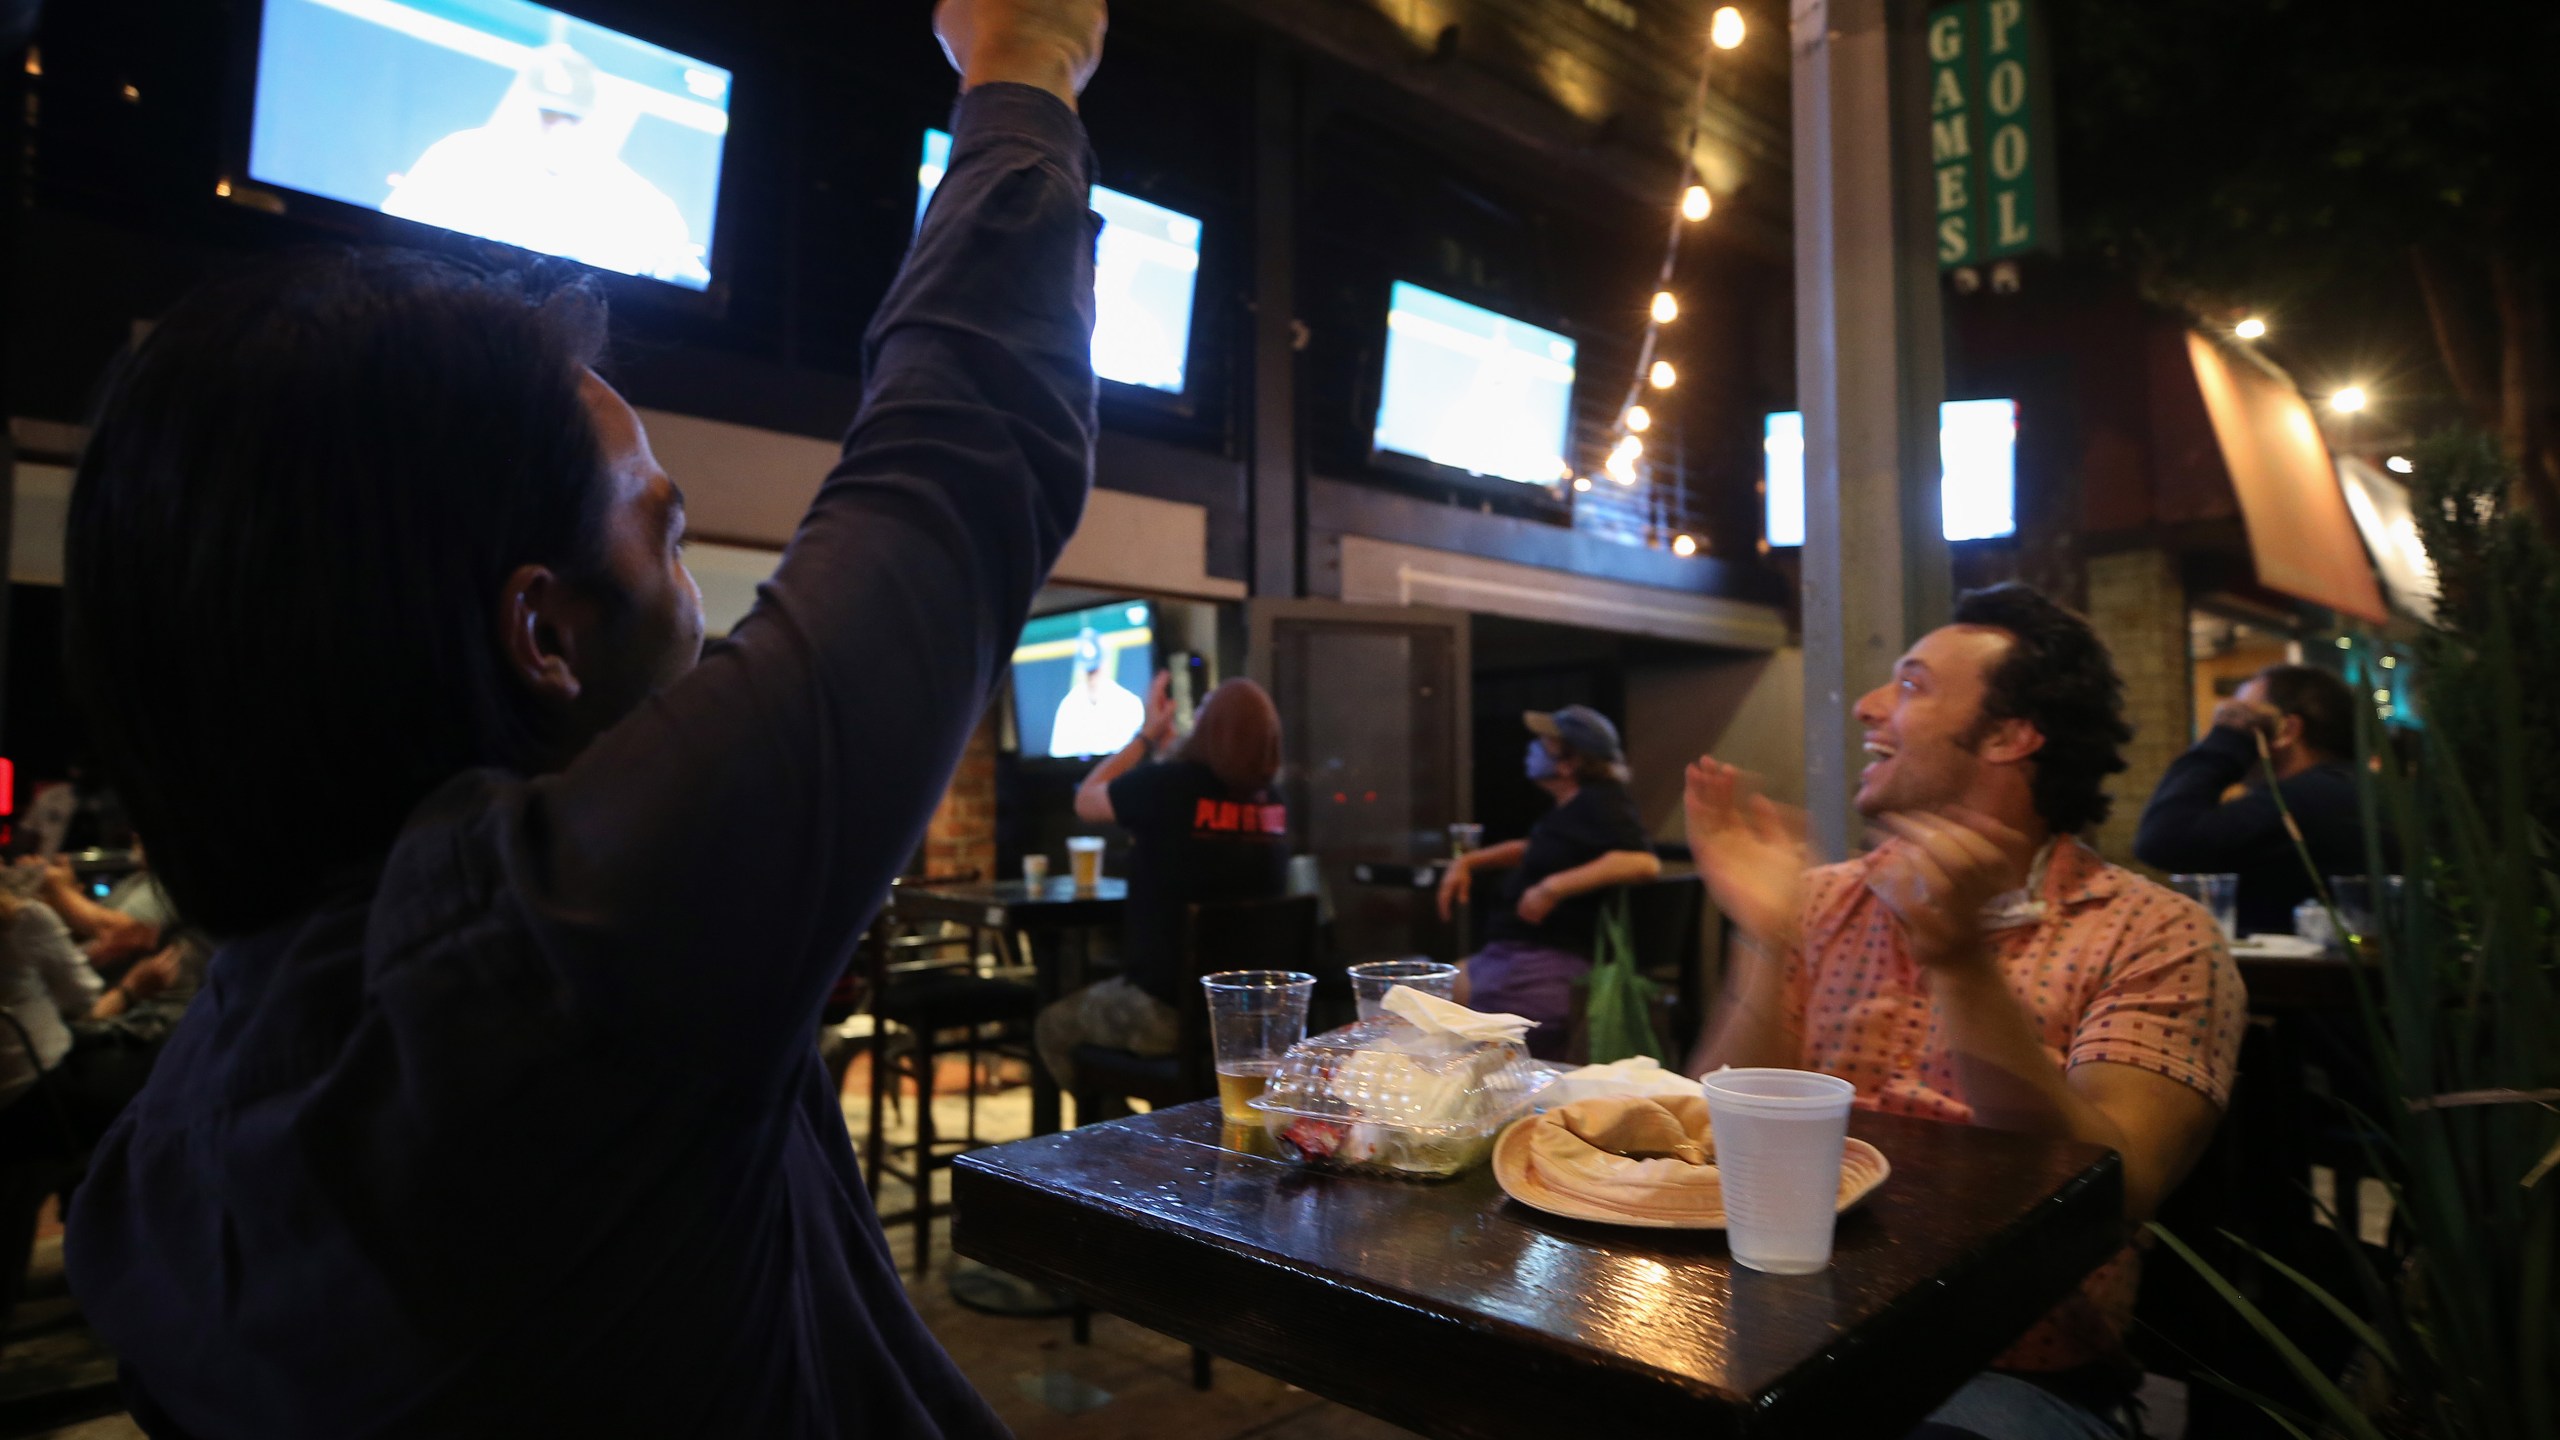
<point x="1666" y="308"/>
<point x="1630" y="449"/>
<point x="2398" y="465"/>
<point x="1696" y="203"/>
<point x="1664" y="377"/>
<point x="1726" y="29"/>
<point x="1683" y="546"/>
<point x="2348" y="401"/>
<point x="1620" y="468"/>
<point x="1639" y="418"/>
<point x="1582" y="484"/>
<point x="2252" y="328"/>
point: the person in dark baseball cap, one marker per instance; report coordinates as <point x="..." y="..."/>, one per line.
<point x="1590" y="843"/>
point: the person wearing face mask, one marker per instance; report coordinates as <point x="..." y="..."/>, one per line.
<point x="1540" y="942"/>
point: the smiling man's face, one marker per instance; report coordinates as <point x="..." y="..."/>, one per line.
<point x="1922" y="726"/>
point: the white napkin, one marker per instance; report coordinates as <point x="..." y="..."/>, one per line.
<point x="1635" y="1075"/>
<point x="1448" y="1017"/>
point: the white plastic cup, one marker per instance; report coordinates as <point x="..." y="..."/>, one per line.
<point x="1779" y="1135"/>
<point x="1084" y="859"/>
<point x="2219" y="894"/>
<point x="1035" y="870"/>
<point x="1371" y="982"/>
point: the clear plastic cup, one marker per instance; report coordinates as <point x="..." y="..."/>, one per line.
<point x="1779" y="1135"/>
<point x="1035" y="870"/>
<point x="1254" y="1017"/>
<point x="1465" y="838"/>
<point x="1371" y="982"/>
<point x="2218" y="894"/>
<point x="1084" y="860"/>
<point x="2355" y="897"/>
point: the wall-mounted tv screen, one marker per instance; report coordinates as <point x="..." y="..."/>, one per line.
<point x="1145" y="269"/>
<point x="1080" y="679"/>
<point x="497" y="118"/>
<point x="1977" y="478"/>
<point x="1474" y="390"/>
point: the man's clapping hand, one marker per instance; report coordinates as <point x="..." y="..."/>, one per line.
<point x="1051" y="44"/>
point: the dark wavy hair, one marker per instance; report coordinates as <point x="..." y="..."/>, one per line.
<point x="2059" y="678"/>
<point x="303" y="495"/>
<point x="2321" y="701"/>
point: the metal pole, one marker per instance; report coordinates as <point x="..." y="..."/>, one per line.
<point x="1870" y="372"/>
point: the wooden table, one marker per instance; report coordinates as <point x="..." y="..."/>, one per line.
<point x="1454" y="1311"/>
<point x="1043" y="912"/>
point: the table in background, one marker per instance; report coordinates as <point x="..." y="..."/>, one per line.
<point x="1043" y="913"/>
<point x="1454" y="1311"/>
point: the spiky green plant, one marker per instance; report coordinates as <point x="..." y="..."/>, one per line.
<point x="2461" y="1001"/>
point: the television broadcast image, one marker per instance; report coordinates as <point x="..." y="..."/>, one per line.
<point x="501" y="119"/>
<point x="1474" y="390"/>
<point x="1080" y="680"/>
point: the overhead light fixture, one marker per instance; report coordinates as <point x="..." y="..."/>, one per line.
<point x="2252" y="328"/>
<point x="1725" y="31"/>
<point x="2348" y="401"/>
<point x="1666" y="307"/>
<point x="2399" y="465"/>
<point x="1696" y="203"/>
<point x="1582" y="484"/>
<point x="1683" y="546"/>
<point x="1664" y="377"/>
<point x="1639" y="418"/>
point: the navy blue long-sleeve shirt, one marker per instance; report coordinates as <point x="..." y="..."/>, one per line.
<point x="530" y="1138"/>
<point x="2187" y="827"/>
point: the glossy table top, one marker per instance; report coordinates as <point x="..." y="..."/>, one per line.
<point x="1453" y="1310"/>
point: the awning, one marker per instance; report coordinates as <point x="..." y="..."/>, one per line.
<point x="2301" y="536"/>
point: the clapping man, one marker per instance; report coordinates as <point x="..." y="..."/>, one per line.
<point x="1982" y="965"/>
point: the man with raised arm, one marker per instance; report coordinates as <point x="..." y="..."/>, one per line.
<point x="1982" y="965"/>
<point x="501" y="1113"/>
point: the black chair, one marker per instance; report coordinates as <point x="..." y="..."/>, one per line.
<point x="1233" y="935"/>
<point x="922" y="1011"/>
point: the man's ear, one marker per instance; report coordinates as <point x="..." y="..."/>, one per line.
<point x="2010" y="741"/>
<point x="541" y="618"/>
<point x="2288" y="731"/>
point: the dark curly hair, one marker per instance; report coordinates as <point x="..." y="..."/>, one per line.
<point x="2059" y="678"/>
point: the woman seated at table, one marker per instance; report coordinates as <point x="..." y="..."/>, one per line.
<point x="1591" y="842"/>
<point x="1207" y="827"/>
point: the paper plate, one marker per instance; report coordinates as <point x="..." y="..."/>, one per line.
<point x="1863" y="1169"/>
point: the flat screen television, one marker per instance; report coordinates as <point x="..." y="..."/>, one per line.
<point x="1080" y="680"/>
<point x="1146" y="269"/>
<point x="1473" y="390"/>
<point x="497" y="118"/>
<point x="1977" y="477"/>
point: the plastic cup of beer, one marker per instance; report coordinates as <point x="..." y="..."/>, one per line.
<point x="1371" y="982"/>
<point x="1254" y="1017"/>
<point x="1465" y="838"/>
<point x="1084" y="860"/>
<point x="1779" y="1134"/>
<point x="1035" y="870"/>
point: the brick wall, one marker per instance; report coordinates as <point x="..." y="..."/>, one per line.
<point x="962" y="836"/>
<point x="2138" y="605"/>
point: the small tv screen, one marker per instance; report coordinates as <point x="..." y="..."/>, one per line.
<point x="1474" y="390"/>
<point x="497" y="118"/>
<point x="1977" y="477"/>
<point x="1146" y="268"/>
<point x="1080" y="680"/>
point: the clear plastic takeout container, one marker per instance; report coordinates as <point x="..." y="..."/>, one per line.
<point x="1386" y="1097"/>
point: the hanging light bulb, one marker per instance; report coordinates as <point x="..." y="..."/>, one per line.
<point x="1582" y="484"/>
<point x="1666" y="307"/>
<point x="2252" y="328"/>
<point x="1639" y="418"/>
<point x="1683" y="546"/>
<point x="1726" y="29"/>
<point x="1664" y="377"/>
<point x="1696" y="203"/>
<point x="1620" y="468"/>
<point x="1629" y="449"/>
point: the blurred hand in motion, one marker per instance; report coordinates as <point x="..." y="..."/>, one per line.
<point x="1536" y="904"/>
<point x="1455" y="887"/>
<point x="1749" y="850"/>
<point x="1159" y="727"/>
<point x="1052" y="44"/>
<point x="2238" y="714"/>
<point x="1936" y="881"/>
